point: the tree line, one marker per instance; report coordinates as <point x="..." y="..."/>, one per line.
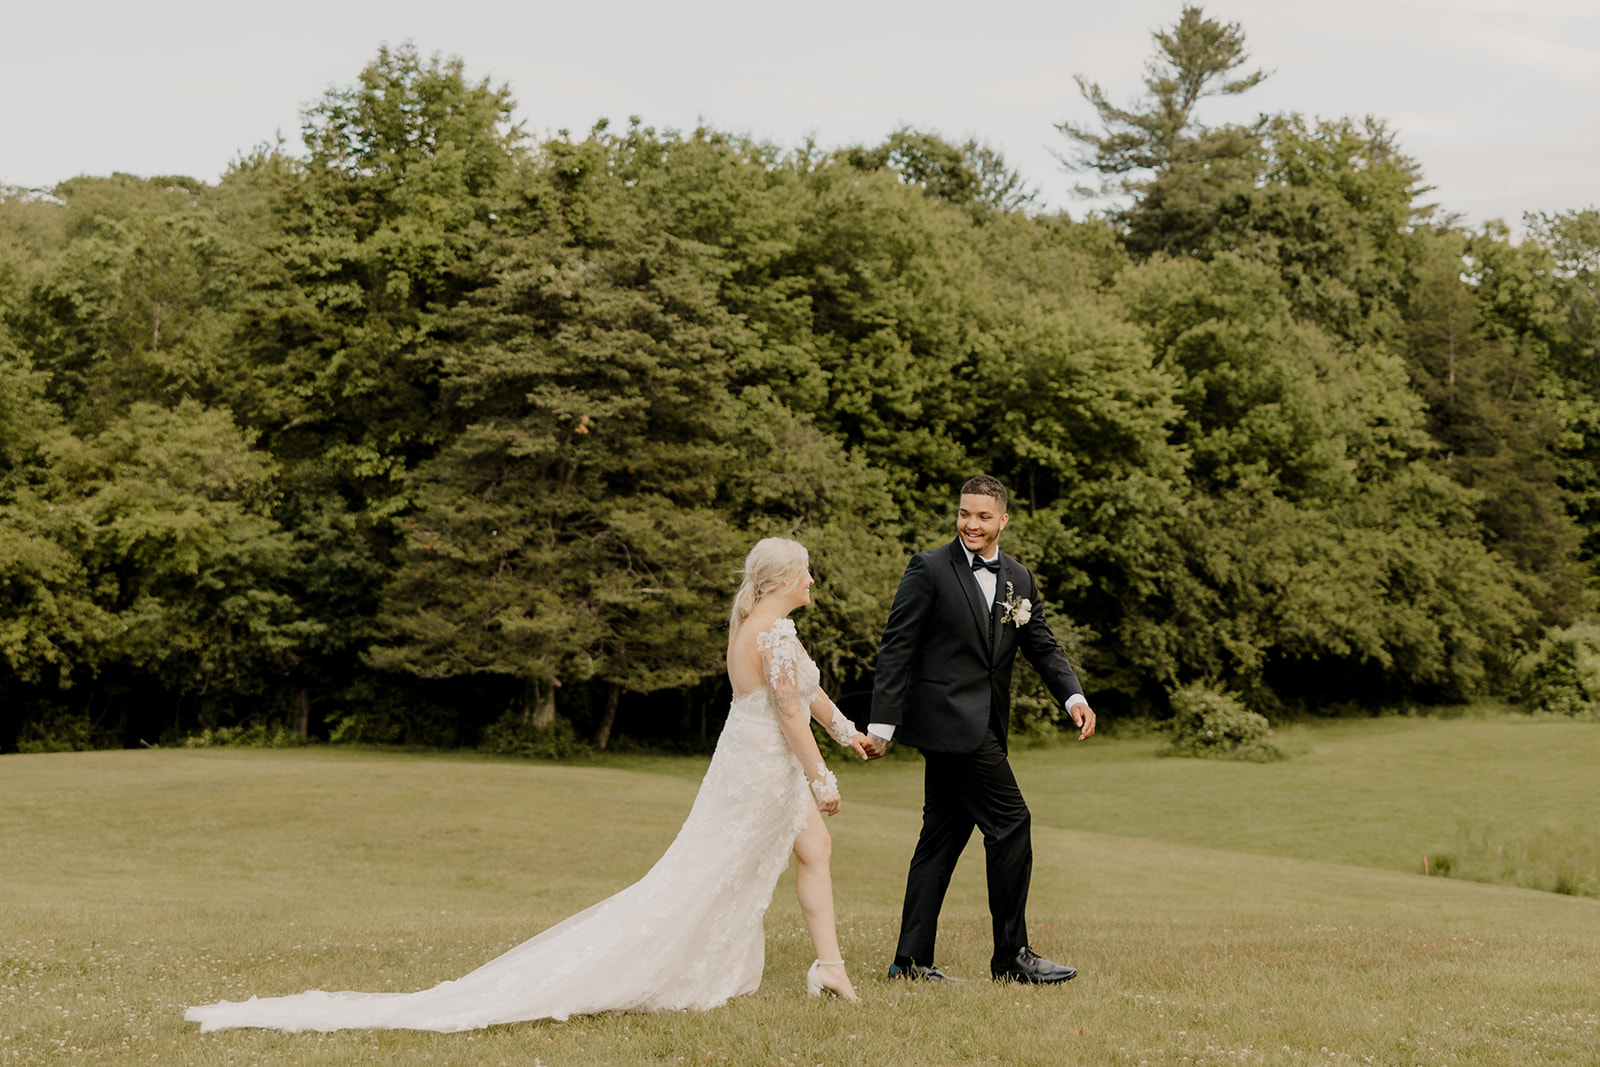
<point x="425" y="431"/>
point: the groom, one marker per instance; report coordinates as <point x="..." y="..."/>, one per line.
<point x="944" y="682"/>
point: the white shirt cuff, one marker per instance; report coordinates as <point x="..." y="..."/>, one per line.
<point x="1076" y="698"/>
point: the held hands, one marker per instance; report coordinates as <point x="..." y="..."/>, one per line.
<point x="872" y="746"/>
<point x="844" y="731"/>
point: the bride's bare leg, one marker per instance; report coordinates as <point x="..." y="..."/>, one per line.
<point x="814" y="884"/>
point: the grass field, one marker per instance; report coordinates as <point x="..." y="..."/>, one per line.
<point x="1219" y="913"/>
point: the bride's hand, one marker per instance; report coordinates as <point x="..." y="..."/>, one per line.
<point x="859" y="743"/>
<point x="825" y="790"/>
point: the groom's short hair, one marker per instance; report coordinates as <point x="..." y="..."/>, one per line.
<point x="986" y="485"/>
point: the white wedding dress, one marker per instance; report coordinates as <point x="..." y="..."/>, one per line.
<point x="686" y="935"/>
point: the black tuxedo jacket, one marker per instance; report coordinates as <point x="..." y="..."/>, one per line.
<point x="940" y="677"/>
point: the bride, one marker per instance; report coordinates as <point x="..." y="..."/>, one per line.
<point x="688" y="934"/>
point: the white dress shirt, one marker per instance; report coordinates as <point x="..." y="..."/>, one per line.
<point x="988" y="582"/>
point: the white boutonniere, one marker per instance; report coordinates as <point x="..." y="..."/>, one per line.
<point x="1017" y="611"/>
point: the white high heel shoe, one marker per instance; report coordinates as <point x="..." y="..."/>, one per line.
<point x="814" y="984"/>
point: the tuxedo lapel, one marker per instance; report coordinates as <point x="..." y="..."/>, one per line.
<point x="974" y="595"/>
<point x="1002" y="580"/>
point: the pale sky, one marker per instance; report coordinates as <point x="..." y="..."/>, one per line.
<point x="1499" y="99"/>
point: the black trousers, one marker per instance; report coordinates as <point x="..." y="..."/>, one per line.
<point x="962" y="791"/>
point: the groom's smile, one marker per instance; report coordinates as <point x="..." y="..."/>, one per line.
<point x="979" y="523"/>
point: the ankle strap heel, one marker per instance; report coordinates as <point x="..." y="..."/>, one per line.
<point x="814" y="984"/>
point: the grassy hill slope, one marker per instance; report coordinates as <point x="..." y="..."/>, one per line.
<point x="136" y="883"/>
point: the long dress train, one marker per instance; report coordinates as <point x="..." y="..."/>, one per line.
<point x="686" y="935"/>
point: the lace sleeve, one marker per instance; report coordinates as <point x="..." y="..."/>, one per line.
<point x="841" y="728"/>
<point x="780" y="665"/>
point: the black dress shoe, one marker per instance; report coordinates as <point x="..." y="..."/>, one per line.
<point x="1029" y="966"/>
<point x="916" y="972"/>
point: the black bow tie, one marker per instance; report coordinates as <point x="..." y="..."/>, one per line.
<point x="990" y="565"/>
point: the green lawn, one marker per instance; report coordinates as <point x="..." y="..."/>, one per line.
<point x="1220" y="913"/>
<point x="1377" y="792"/>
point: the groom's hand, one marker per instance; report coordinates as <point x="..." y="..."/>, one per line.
<point x="873" y="745"/>
<point x="1083" y="719"/>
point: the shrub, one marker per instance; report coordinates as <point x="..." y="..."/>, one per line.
<point x="250" y="735"/>
<point x="366" y="727"/>
<point x="1214" y="725"/>
<point x="1562" y="675"/>
<point x="380" y="715"/>
<point x="510" y="736"/>
<point x="1038" y="719"/>
<point x="59" y="730"/>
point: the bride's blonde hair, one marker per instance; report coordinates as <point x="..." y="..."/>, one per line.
<point x="775" y="564"/>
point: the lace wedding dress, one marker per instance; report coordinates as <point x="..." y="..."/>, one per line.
<point x="686" y="935"/>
